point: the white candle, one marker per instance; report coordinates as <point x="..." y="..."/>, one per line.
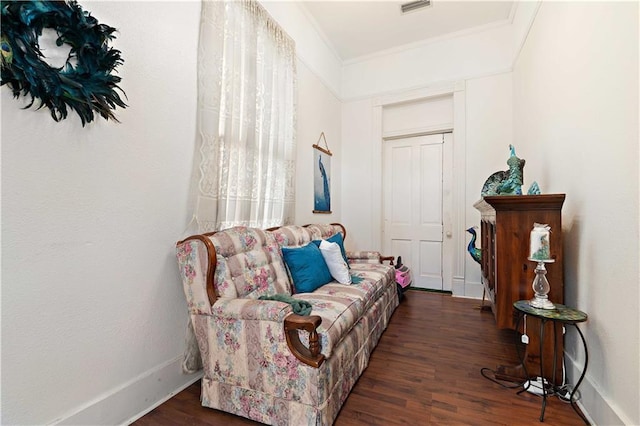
<point x="539" y="242"/>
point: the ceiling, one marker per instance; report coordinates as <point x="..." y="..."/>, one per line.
<point x="358" y="28"/>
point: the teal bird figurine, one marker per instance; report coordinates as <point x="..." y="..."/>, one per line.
<point x="476" y="253"/>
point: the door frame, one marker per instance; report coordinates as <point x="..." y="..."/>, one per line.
<point x="453" y="252"/>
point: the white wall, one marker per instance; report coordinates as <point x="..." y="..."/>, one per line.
<point x="442" y="60"/>
<point x="311" y="46"/>
<point x="576" y="122"/>
<point x="489" y="129"/>
<point x="319" y="108"/>
<point x="318" y="111"/>
<point x="358" y="175"/>
<point x="93" y="313"/>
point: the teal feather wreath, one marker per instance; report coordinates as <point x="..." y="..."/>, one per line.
<point x="85" y="84"/>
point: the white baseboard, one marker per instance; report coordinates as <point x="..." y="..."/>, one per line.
<point x="594" y="405"/>
<point x="133" y="399"/>
<point x="470" y="290"/>
<point x="457" y="287"/>
<point x="473" y="290"/>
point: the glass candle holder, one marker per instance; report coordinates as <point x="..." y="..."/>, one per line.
<point x="539" y="242"/>
<point x="541" y="287"/>
<point x="539" y="251"/>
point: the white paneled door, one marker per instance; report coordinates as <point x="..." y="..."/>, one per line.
<point x="414" y="187"/>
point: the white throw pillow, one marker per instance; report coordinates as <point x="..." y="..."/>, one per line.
<point x="335" y="262"/>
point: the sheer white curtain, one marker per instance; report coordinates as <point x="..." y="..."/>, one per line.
<point x="246" y="118"/>
<point x="245" y="162"/>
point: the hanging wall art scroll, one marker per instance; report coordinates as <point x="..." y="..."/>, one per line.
<point x="321" y="177"/>
<point x="84" y="82"/>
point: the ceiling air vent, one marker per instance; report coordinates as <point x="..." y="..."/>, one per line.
<point x="415" y="5"/>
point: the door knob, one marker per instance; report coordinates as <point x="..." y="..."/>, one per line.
<point x="448" y="234"/>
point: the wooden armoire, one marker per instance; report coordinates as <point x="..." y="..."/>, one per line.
<point x="507" y="274"/>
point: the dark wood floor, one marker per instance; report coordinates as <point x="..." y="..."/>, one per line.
<point x="425" y="370"/>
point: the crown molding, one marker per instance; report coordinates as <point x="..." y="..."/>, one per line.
<point x="425" y="42"/>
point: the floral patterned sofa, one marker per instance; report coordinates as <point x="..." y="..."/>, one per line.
<point x="261" y="360"/>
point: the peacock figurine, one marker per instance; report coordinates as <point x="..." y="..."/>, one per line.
<point x="476" y="253"/>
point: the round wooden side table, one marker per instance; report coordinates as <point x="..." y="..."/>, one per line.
<point x="566" y="316"/>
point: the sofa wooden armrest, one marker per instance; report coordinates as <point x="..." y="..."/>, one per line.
<point x="311" y="355"/>
<point x="368" y="257"/>
<point x="389" y="259"/>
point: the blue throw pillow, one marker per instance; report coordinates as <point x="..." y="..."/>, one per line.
<point x="307" y="267"/>
<point x="338" y="240"/>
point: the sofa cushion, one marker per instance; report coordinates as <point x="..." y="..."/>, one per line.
<point x="323" y="231"/>
<point x="307" y="267"/>
<point x="374" y="279"/>
<point x="336" y="238"/>
<point x="291" y="236"/>
<point x="294" y="235"/>
<point x="249" y="264"/>
<point x="340" y="241"/>
<point x="363" y="257"/>
<point x="339" y="314"/>
<point x="335" y="262"/>
<point x="341" y="306"/>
